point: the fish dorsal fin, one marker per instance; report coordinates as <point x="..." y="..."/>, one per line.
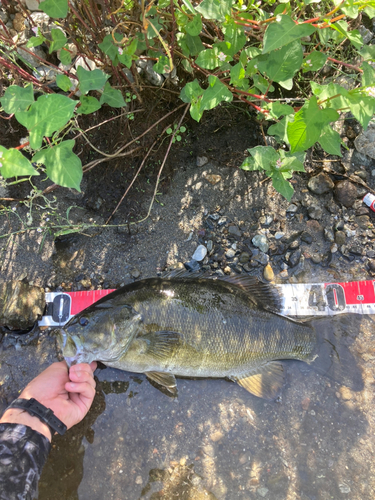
<point x="162" y="344"/>
<point x="166" y="380"/>
<point x="264" y="295"/>
<point x="264" y="382"/>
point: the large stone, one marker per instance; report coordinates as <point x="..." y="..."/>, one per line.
<point x="365" y="142"/>
<point x="32" y="60"/>
<point x="320" y="184"/>
<point x="261" y="242"/>
<point x="32" y="4"/>
<point x="346" y="193"/>
<point x="21" y="305"/>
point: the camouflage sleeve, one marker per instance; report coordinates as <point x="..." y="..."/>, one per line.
<point x="23" y="453"/>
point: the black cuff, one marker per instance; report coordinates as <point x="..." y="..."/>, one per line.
<point x="44" y="414"/>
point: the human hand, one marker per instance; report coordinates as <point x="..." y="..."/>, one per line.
<point x="68" y="393"/>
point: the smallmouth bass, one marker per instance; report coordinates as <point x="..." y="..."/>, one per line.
<point x="191" y="327"/>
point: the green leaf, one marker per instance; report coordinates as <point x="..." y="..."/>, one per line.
<point x="48" y="114"/>
<point x="194" y="44"/>
<point x="282" y="64"/>
<point x="234" y="37"/>
<point x="14" y="164"/>
<point x="17" y="98"/>
<point x="194" y="27"/>
<point x="278" y="109"/>
<point x="250" y="165"/>
<point x="306" y="128"/>
<point x="191" y="91"/>
<point x="282" y="186"/>
<point x="314" y="61"/>
<point x="237" y="75"/>
<point x="261" y="84"/>
<point x="195" y="110"/>
<point x="35" y="41"/>
<point x="62" y="165"/>
<point x="264" y="156"/>
<point x="349" y="9"/>
<point x="368" y="75"/>
<point x="354" y="36"/>
<point x="330" y="141"/>
<point x="55" y="8"/>
<point x="332" y="90"/>
<point x="362" y="107"/>
<point x="113" y="97"/>
<point x="368" y="52"/>
<point x="126" y="57"/>
<point x="90" y="80"/>
<point x="65" y="56"/>
<point x="280" y="129"/>
<point x="188" y="5"/>
<point x="58" y="40"/>
<point x="63" y="82"/>
<point x="282" y="32"/>
<point x="89" y="105"/>
<point x="291" y="163"/>
<point x="215" y="9"/>
<point x="109" y="48"/>
<point x="252" y="52"/>
<point x="209" y="58"/>
<point x="370" y="11"/>
<point x="162" y="66"/>
<point x="215" y="93"/>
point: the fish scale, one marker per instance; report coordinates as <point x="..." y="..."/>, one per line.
<point x="192" y="327"/>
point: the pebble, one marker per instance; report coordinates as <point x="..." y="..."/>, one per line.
<point x="294" y="258"/>
<point x="200" y="253"/>
<point x="363" y="221"/>
<point x="268" y="273"/>
<point x="292" y="208"/>
<point x="346" y="193"/>
<point x="229" y="254"/>
<point x="201" y="160"/>
<point x="315" y="212"/>
<point x="261" y="242"/>
<point x="306" y="237"/>
<point x="244" y="257"/>
<point x="192" y="265"/>
<point x="344" y="488"/>
<point x="329" y="236"/>
<point x="210" y="246"/>
<point x="135" y="272"/>
<point x="334" y="248"/>
<point x="320" y="184"/>
<point x="32" y="4"/>
<point x="262" y="258"/>
<point x="340" y="238"/>
<point x="262" y="492"/>
<point x="279" y="235"/>
<point x="316" y="258"/>
<point x="350" y="233"/>
<point x="371" y="265"/>
<point x="234" y="230"/>
<point x="283" y="274"/>
<point x="212" y="178"/>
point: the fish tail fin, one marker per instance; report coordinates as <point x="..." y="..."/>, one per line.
<point x="335" y="353"/>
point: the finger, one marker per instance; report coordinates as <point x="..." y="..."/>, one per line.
<point x="81" y="367"/>
<point x="82" y="376"/>
<point x="93" y="366"/>
<point x="85" y="391"/>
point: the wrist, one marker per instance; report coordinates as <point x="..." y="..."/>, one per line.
<point x="17" y="416"/>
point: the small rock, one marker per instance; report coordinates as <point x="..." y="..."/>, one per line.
<point x="305" y="403"/>
<point x="19" y="22"/>
<point x="268" y="273"/>
<point x="244" y="257"/>
<point x="279" y="235"/>
<point x="365" y="34"/>
<point x="201" y="160"/>
<point x="138" y="480"/>
<point x="350" y="233"/>
<point x="235" y="231"/>
<point x="306" y="237"/>
<point x="292" y="208"/>
<point x="212" y="178"/>
<point x="316" y="258"/>
<point x="21" y="305"/>
<point x="346" y="193"/>
<point x="371" y="265"/>
<point x="261" y="242"/>
<point x="210" y="246"/>
<point x="294" y="245"/>
<point x="262" y="258"/>
<point x="192" y="265"/>
<point x="227" y="270"/>
<point x="230" y="253"/>
<point x="320" y="184"/>
<point x="294" y="258"/>
<point x="329" y="236"/>
<point x="363" y="221"/>
<point x="135" y="273"/>
<point x="200" y="253"/>
<point x="344" y="488"/>
<point x="284" y="274"/>
<point x="340" y="238"/>
<point x="315" y="212"/>
<point x="365" y="142"/>
<point x="370" y="254"/>
<point x="85" y="63"/>
<point x="334" y="248"/>
<point x="32" y="4"/>
<point x="361" y="160"/>
<point x="262" y="492"/>
<point x="33" y="61"/>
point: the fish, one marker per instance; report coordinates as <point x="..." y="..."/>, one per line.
<point x="228" y="327"/>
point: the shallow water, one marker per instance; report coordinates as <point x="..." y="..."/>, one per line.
<point x="218" y="441"/>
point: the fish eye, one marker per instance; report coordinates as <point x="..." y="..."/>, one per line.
<point x="83" y="321"/>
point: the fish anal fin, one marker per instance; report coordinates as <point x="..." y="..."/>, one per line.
<point x="167" y="380"/>
<point x="265" y="382"/>
<point x="162" y="344"/>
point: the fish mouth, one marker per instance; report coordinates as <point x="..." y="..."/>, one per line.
<point x="68" y="347"/>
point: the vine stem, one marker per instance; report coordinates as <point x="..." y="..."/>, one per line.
<point x="162" y="165"/>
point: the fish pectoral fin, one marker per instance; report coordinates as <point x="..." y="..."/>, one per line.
<point x="265" y="382"/>
<point x="167" y="380"/>
<point x="162" y="344"/>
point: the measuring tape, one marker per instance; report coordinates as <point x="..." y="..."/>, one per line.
<point x="309" y="299"/>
